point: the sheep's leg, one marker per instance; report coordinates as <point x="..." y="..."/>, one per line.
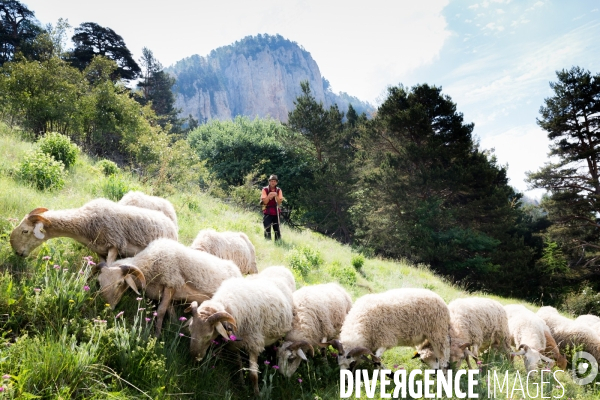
<point x="112" y="256"/>
<point x="254" y="371"/>
<point x="165" y="302"/>
<point x="238" y="359"/>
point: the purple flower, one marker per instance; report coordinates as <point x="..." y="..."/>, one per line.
<point x="1" y="388"/>
<point x="276" y="366"/>
<point x="138" y="298"/>
<point x="147" y="319"/>
<point x="267" y="362"/>
<point x="182" y="319"/>
<point x="214" y="342"/>
<point x="91" y="263"/>
<point x="181" y="334"/>
<point x="334" y="354"/>
<point x="81" y="272"/>
<point x="478" y="362"/>
<point x="86" y="288"/>
<point x="232" y="337"/>
<point x="6" y="376"/>
<point x="37" y="290"/>
<point x="395" y="366"/>
<point x="300" y="380"/>
<point x="155" y="313"/>
<point x="46" y="258"/>
<point x="213" y="366"/>
<point x="56" y="266"/>
<point x="141" y="309"/>
<point x="119" y="314"/>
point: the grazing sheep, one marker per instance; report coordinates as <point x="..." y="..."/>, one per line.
<point x="527" y="335"/>
<point x="590" y="320"/>
<point x="257" y="312"/>
<point x="168" y="271"/>
<point x="139" y="199"/>
<point x="475" y="323"/>
<point x="281" y="276"/>
<point x="234" y="246"/>
<point x="553" y="351"/>
<point x="398" y="317"/>
<point x="105" y="227"/>
<point x="568" y="332"/>
<point x="319" y="312"/>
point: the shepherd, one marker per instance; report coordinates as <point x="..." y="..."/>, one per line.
<point x="271" y="198"/>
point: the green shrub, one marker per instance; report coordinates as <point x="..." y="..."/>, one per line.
<point x="114" y="187"/>
<point x="586" y="301"/>
<point x="343" y="274"/>
<point x="60" y="147"/>
<point x="107" y="167"/>
<point x="303" y="259"/>
<point x="42" y="170"/>
<point x="358" y="260"/>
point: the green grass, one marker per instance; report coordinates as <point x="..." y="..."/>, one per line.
<point x="59" y="340"/>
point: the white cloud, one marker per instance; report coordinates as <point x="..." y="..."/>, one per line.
<point x="473" y="7"/>
<point x="500" y="11"/>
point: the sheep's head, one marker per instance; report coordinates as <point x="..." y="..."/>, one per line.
<point x="290" y="354"/>
<point x="30" y="233"/>
<point x="349" y="359"/>
<point x="205" y="325"/>
<point x="532" y="358"/>
<point x="427" y="355"/>
<point x="115" y="280"/>
<point x="459" y="351"/>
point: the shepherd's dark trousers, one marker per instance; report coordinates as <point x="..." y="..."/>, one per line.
<point x="268" y="222"/>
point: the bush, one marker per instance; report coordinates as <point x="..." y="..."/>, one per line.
<point x="358" y="260"/>
<point x="586" y="301"/>
<point x="42" y="170"/>
<point x="107" y="167"/>
<point x="60" y="147"/>
<point x="303" y="259"/>
<point x="114" y="188"/>
<point x="343" y="274"/>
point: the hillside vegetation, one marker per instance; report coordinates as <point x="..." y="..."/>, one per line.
<point x="59" y="340"/>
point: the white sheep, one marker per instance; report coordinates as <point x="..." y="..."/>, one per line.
<point x="168" y="271"/>
<point x="257" y="312"/>
<point x="568" y="332"/>
<point x="592" y="321"/>
<point x="105" y="227"/>
<point x="139" y="199"/>
<point x="234" y="246"/>
<point x="552" y="350"/>
<point x="398" y="317"/>
<point x="319" y="312"/>
<point x="475" y="324"/>
<point x="527" y="335"/>
<point x="281" y="276"/>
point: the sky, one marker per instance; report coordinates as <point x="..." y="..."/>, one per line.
<point x="494" y="58"/>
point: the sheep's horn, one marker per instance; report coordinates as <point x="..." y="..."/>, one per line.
<point x="336" y="344"/>
<point x="221" y="316"/>
<point x="132" y="269"/>
<point x="302" y="344"/>
<point x="358" y="351"/>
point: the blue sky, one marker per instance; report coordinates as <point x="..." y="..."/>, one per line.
<point x="495" y="58"/>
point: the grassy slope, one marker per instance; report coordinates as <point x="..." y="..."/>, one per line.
<point x="195" y="211"/>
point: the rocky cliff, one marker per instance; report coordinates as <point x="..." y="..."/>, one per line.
<point x="256" y="76"/>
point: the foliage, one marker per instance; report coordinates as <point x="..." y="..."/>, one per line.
<point x="344" y="274"/>
<point x="42" y="171"/>
<point x="584" y="301"/>
<point x="114" y="187"/>
<point x="18" y="29"/>
<point x="91" y="40"/>
<point x="304" y="259"/>
<point x="107" y="167"/>
<point x="358" y="260"/>
<point x="60" y="147"/>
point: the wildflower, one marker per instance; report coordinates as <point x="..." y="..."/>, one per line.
<point x="232" y="337"/>
<point x="181" y="334"/>
<point x="276" y="366"/>
<point x="478" y="362"/>
<point x="267" y="362"/>
<point x="56" y="266"/>
<point x="86" y="288"/>
<point x="214" y="342"/>
<point x="147" y="319"/>
<point x="107" y="305"/>
<point x="46" y="258"/>
<point x="65" y="269"/>
<point x="141" y="309"/>
<point x="6" y="376"/>
<point x="155" y="313"/>
<point x="334" y="354"/>
<point x="1" y="388"/>
<point x="91" y="263"/>
<point x="138" y="298"/>
<point x="71" y="301"/>
<point x="37" y="290"/>
<point x="182" y="319"/>
<point x="395" y="366"/>
<point x="213" y="366"/>
<point x="119" y="314"/>
<point x="299" y="380"/>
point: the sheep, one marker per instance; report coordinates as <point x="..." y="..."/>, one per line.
<point x="398" y="317"/>
<point x="168" y="271"/>
<point x="234" y="246"/>
<point x="592" y="321"/>
<point x="257" y="312"/>
<point x="553" y="351"/>
<point x="282" y="277"/>
<point x="139" y="199"/>
<point x="527" y="334"/>
<point x="475" y="324"/>
<point x="319" y="312"/>
<point x="568" y="332"/>
<point x="105" y="227"/>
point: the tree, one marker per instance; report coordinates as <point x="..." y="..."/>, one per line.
<point x="429" y="194"/>
<point x="18" y="28"/>
<point x="91" y="40"/>
<point x="572" y="119"/>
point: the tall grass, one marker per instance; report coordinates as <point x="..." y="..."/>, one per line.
<point x="58" y="339"/>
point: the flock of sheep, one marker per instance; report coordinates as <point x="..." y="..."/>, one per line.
<point x="137" y="238"/>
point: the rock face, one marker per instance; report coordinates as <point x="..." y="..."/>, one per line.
<point x="257" y="76"/>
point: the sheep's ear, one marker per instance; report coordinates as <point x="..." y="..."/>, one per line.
<point x="193" y="308"/>
<point x="35" y="218"/>
<point x="38" y="230"/>
<point x="131" y="283"/>
<point x="301" y="354"/>
<point x="221" y="329"/>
